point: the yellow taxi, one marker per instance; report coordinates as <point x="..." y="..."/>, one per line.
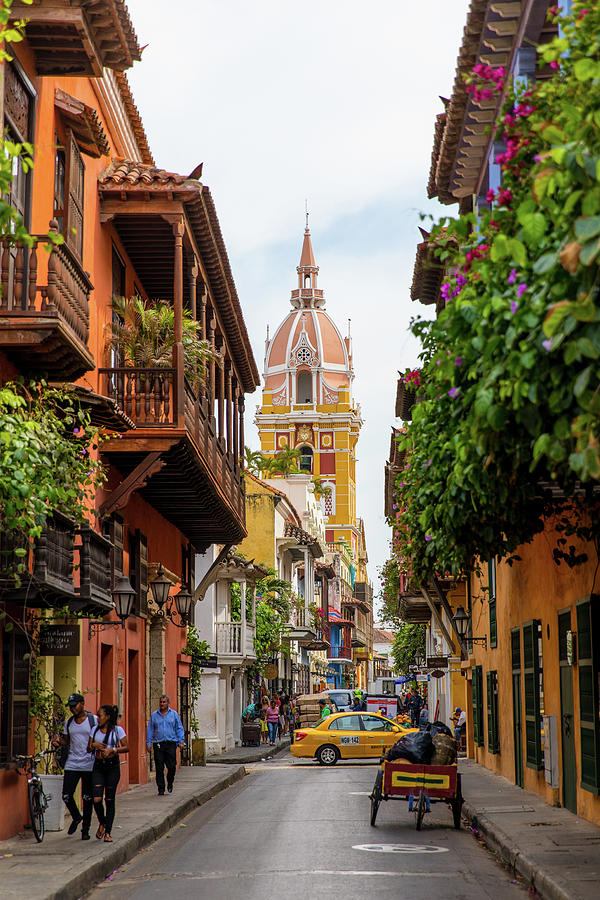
<point x="347" y="735"/>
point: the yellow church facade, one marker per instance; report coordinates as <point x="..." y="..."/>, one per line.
<point x="308" y="404"/>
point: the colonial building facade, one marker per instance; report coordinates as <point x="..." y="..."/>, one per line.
<point x="308" y="405"/>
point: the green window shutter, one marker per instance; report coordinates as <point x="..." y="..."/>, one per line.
<point x="587" y="635"/>
<point x="531" y="681"/>
<point x="515" y="649"/>
<point x="492" y="712"/>
<point x="478" y="705"/>
<point x="493" y="624"/>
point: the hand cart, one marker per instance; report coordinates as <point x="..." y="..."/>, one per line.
<point x="399" y="780"/>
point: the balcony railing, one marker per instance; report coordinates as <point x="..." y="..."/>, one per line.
<point x="50" y="564"/>
<point x="148" y="397"/>
<point x="339" y="651"/>
<point x="51" y="320"/>
<point x="230" y="642"/>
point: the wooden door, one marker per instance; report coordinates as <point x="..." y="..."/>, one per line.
<point x="567" y="723"/>
<point x="184" y="715"/>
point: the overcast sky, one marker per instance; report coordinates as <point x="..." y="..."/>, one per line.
<point x="330" y="100"/>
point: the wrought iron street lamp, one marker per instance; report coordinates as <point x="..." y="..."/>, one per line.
<point x="123" y="596"/>
<point x="461" y="622"/>
<point x="181" y="604"/>
<point x="419" y="660"/>
<point x="160" y="587"/>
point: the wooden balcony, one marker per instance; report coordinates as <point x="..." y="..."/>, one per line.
<point x="174" y="456"/>
<point x="405" y="400"/>
<point x="44" y="323"/>
<point x="51" y="564"/>
<point x="301" y="627"/>
<point x="79" y="37"/>
<point x="234" y="642"/>
<point x="339" y="653"/>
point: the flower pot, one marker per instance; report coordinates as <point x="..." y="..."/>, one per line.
<point x="198" y="751"/>
<point x="54" y="816"/>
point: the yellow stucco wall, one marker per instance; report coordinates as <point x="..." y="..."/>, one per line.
<point x="260" y="524"/>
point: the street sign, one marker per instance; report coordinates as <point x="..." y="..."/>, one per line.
<point x="59" y="640"/>
<point x="211" y="662"/>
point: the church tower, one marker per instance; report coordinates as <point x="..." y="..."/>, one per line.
<point x="308" y="403"/>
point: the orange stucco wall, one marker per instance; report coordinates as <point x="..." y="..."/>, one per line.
<point x="124" y="651"/>
<point x="534" y="588"/>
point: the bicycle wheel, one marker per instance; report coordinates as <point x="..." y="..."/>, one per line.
<point x="376" y="796"/>
<point x="420" y="809"/>
<point x="36" y="811"/>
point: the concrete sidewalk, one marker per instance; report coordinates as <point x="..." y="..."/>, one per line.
<point x="557" y="853"/>
<point x="240" y="755"/>
<point x="65" y="868"/>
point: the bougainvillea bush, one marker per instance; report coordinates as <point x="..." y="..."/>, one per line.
<point x="510" y="369"/>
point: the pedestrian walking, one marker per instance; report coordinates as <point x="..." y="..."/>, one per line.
<point x="264" y="728"/>
<point x="272" y="721"/>
<point x="108" y="740"/>
<point x="165" y="733"/>
<point x="415" y="704"/>
<point x="459" y="720"/>
<point x="78" y="764"/>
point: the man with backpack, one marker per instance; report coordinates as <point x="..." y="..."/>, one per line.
<point x="77" y="764"/>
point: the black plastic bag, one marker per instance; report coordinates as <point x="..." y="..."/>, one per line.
<point x="437" y="728"/>
<point x="417" y="747"/>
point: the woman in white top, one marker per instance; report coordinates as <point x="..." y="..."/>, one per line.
<point x="108" y="740"/>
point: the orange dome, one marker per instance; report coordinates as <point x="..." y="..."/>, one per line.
<point x="307" y="360"/>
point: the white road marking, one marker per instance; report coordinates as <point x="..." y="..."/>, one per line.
<point x="360" y="793"/>
<point x="400" y="848"/>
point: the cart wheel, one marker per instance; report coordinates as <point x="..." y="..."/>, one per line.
<point x="376" y="796"/>
<point x="457" y="803"/>
<point x="420" y="809"/>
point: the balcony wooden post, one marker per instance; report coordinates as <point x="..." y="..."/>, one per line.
<point x="236" y="432"/>
<point x="222" y="390"/>
<point x="212" y="369"/>
<point x="178" y="356"/>
<point x="193" y="280"/>
<point x="228" y="405"/>
<point x="241" y="413"/>
<point x="203" y="311"/>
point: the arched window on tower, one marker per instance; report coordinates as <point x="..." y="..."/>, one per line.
<point x="305" y="462"/>
<point x="304" y="387"/>
<point x="328" y="499"/>
<point x="307" y="281"/>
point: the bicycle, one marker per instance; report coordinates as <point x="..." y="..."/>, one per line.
<point x="38" y="800"/>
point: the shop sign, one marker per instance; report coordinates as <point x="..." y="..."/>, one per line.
<point x="59" y="640"/>
<point x="271" y="672"/>
<point x="437" y="662"/>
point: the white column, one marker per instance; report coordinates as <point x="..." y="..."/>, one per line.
<point x="243" y="602"/>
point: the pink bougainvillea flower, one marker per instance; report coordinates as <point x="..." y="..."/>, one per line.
<point x="512" y="277"/>
<point x="513" y="306"/>
<point x="428" y="537"/>
<point x="584" y="12"/>
<point x="505" y="197"/>
<point x="554" y="64"/>
<point x="428" y="463"/>
<point x="490" y="196"/>
<point x="458" y="361"/>
<point x="547" y="345"/>
<point x="521" y="290"/>
<point x="453" y="392"/>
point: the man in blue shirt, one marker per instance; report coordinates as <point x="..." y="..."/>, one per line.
<point x="165" y="732"/>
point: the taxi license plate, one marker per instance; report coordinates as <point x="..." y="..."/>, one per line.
<point x="350" y="740"/>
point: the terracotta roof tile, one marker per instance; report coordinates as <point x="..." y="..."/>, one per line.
<point x="134" y="118"/>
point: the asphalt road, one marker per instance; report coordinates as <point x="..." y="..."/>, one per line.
<point x="294" y="829"/>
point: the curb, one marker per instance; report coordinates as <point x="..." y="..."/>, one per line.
<point x="513" y="858"/>
<point x="119" y="854"/>
<point x="250" y="758"/>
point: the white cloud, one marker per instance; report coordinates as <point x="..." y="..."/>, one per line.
<point x="334" y="100"/>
